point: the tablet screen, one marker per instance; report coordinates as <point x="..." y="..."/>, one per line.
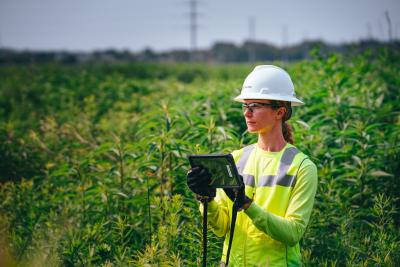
<point x="221" y="167"/>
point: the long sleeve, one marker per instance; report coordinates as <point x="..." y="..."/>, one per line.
<point x="290" y="228"/>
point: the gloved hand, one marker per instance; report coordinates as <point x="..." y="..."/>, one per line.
<point x="242" y="201"/>
<point x="198" y="180"/>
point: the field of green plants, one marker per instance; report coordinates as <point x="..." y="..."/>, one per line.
<point x="93" y="159"/>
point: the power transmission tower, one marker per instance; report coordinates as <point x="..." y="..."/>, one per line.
<point x="193" y="15"/>
<point x="389" y="22"/>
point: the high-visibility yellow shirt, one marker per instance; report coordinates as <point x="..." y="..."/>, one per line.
<point x="283" y="186"/>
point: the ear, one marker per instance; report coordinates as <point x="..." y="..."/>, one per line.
<point x="280" y="113"/>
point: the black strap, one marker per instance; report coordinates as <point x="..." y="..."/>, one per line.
<point x="205" y="204"/>
<point x="232" y="230"/>
<point x="233" y="222"/>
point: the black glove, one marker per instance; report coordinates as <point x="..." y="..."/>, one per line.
<point x="199" y="180"/>
<point x="242" y="201"/>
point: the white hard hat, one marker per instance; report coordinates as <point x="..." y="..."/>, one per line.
<point x="269" y="82"/>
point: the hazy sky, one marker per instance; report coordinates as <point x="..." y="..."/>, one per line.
<point x="164" y="24"/>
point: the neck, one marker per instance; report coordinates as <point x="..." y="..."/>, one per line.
<point x="272" y="141"/>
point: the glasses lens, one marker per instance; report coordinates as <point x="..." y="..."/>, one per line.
<point x="247" y="106"/>
<point x="254" y="106"/>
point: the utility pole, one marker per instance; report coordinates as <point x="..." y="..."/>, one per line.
<point x="252" y="39"/>
<point x="193" y="14"/>
<point x="389" y="22"/>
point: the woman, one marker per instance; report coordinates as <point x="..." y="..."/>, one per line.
<point x="280" y="181"/>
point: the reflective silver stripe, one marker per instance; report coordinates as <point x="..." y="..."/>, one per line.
<point x="243" y="159"/>
<point x="271" y="180"/>
<point x="248" y="180"/>
<point x="281" y="178"/>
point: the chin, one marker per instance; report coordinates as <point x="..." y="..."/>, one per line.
<point x="250" y="130"/>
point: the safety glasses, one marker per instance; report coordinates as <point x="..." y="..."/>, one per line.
<point x="255" y="106"/>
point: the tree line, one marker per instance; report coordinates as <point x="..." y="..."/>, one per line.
<point x="220" y="52"/>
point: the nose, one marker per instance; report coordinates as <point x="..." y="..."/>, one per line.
<point x="248" y="113"/>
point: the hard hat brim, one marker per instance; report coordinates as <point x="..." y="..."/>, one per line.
<point x="293" y="100"/>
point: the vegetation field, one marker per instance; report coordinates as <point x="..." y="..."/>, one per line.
<point x="93" y="159"/>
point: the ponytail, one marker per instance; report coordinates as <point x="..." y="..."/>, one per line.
<point x="287" y="129"/>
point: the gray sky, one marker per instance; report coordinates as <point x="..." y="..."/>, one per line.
<point x="84" y="25"/>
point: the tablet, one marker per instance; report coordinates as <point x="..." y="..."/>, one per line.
<point x="221" y="167"/>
